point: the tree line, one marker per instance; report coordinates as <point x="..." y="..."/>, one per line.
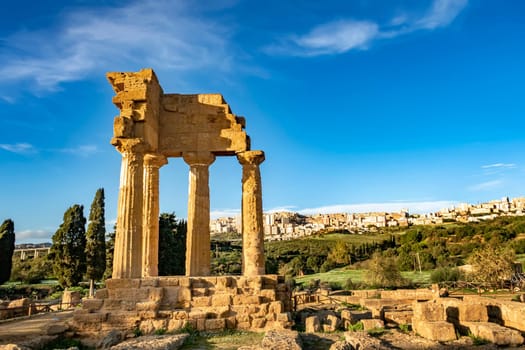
<point x="77" y="254"/>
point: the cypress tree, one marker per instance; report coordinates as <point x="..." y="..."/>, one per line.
<point x="110" y="248"/>
<point x="7" y="247"/>
<point x="172" y="245"/>
<point x="68" y="249"/>
<point x="96" y="241"/>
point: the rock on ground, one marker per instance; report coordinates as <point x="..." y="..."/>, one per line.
<point x="154" y="342"/>
<point x="281" y="340"/>
<point x="362" y="340"/>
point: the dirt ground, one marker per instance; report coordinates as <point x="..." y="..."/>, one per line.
<point x="31" y="329"/>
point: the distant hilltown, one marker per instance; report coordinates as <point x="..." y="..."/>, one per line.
<point x="282" y="226"/>
<point x="289" y="225"/>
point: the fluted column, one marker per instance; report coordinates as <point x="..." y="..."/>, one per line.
<point x="127" y="257"/>
<point x="252" y="214"/>
<point x="150" y="224"/>
<point x="198" y="250"/>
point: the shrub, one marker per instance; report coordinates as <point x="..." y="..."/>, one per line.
<point x="445" y="274"/>
<point x="356" y="327"/>
<point x="376" y="331"/>
<point x="348" y="284"/>
<point x="335" y="285"/>
<point x="405" y="328"/>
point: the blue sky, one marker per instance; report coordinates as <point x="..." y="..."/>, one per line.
<point x="358" y="105"/>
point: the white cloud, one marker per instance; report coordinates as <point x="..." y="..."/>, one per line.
<point x="163" y="34"/>
<point x="484" y="186"/>
<point x="33" y="236"/>
<point x="222" y="213"/>
<point x="413" y="207"/>
<point x="281" y="209"/>
<point x="345" y="35"/>
<point x="390" y="207"/>
<point x="20" y="148"/>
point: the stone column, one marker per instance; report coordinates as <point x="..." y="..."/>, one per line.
<point x="198" y="250"/>
<point x="127" y="257"/>
<point x="150" y="224"/>
<point x="252" y="214"/>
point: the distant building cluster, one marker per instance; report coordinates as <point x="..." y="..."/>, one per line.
<point x="280" y="226"/>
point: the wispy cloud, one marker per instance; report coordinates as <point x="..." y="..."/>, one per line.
<point x="19" y="148"/>
<point x="8" y="99"/>
<point x="163" y="34"/>
<point x="484" y="186"/>
<point x="27" y="148"/>
<point x="83" y="150"/>
<point x="345" y="35"/>
<point x="499" y="169"/>
<point x="336" y="37"/>
<point x="441" y="14"/>
<point x="499" y="165"/>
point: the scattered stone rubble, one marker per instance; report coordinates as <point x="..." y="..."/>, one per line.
<point x="431" y="315"/>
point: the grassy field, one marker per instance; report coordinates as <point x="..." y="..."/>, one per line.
<point x="357" y="276"/>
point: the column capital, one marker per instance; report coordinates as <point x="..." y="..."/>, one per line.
<point x="134" y="145"/>
<point x="251" y="157"/>
<point x="198" y="158"/>
<point x="154" y="159"/>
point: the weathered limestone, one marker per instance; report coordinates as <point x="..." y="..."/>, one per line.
<point x="429" y="321"/>
<point x="252" y="213"/>
<point x="127" y="259"/>
<point x="150" y="244"/>
<point x="362" y="340"/>
<point x="495" y="333"/>
<point x="158" y="342"/>
<point x="152" y="126"/>
<point x="206" y="303"/>
<point x="198" y="234"/>
<point x="312" y="324"/>
<point x="435" y="330"/>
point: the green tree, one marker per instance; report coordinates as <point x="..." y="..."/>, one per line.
<point x="383" y="272"/>
<point x="68" y="249"/>
<point x="7" y="247"/>
<point x="492" y="265"/>
<point x="110" y="248"/>
<point x="96" y="241"/>
<point x="340" y="254"/>
<point x="31" y="271"/>
<point x="172" y="245"/>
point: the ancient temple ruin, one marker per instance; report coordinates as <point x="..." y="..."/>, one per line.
<point x="153" y="126"/>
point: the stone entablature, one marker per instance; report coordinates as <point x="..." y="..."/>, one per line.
<point x="153" y="126"/>
<point x="205" y="303"/>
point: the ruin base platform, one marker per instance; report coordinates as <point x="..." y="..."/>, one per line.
<point x="175" y="302"/>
